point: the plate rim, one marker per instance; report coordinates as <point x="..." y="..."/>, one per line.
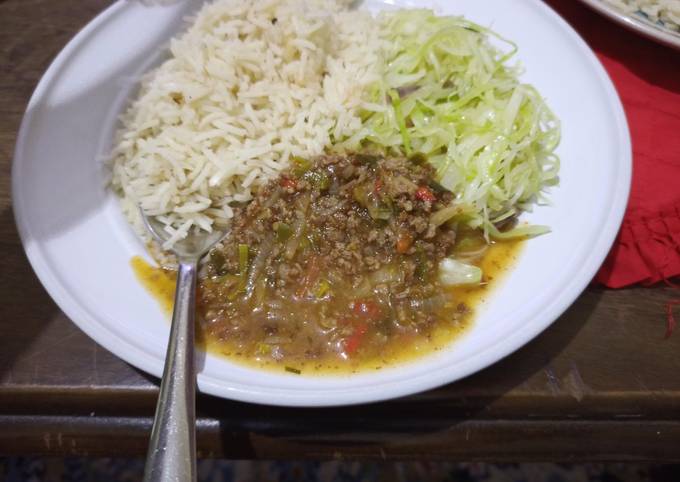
<point x="648" y="30"/>
<point x="296" y="397"/>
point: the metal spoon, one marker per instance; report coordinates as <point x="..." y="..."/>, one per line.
<point x="172" y="448"/>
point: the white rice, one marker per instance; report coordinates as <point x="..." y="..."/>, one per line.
<point x="666" y="11"/>
<point x="248" y="86"/>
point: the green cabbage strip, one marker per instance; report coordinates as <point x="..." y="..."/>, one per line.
<point x="451" y="95"/>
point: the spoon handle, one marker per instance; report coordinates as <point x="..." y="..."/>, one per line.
<point x="172" y="449"/>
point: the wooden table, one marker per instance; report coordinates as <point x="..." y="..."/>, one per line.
<point x="601" y="383"/>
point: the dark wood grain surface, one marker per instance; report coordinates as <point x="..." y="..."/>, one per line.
<point x="601" y="384"/>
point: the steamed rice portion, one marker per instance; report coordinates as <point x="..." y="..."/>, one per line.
<point x="249" y="86"/>
<point x="666" y="11"/>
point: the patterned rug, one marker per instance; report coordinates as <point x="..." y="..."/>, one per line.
<point x="29" y="469"/>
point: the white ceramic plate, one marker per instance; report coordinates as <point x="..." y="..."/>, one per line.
<point x="638" y="22"/>
<point x="80" y="246"/>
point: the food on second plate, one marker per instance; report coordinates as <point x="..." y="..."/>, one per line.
<point x="343" y="258"/>
<point x="664" y="11"/>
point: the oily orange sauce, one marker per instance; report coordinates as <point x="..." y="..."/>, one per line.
<point x="160" y="283"/>
<point x="497" y="261"/>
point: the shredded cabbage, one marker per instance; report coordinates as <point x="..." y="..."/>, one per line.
<point x="452" y="96"/>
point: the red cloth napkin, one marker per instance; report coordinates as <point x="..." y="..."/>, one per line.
<point x="647" y="77"/>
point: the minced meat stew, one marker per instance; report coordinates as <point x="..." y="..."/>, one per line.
<point x="334" y="262"/>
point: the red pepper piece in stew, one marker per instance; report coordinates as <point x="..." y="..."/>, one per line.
<point x="404" y="243"/>
<point x="425" y="194"/>
<point x="288" y="183"/>
<point x="353" y="342"/>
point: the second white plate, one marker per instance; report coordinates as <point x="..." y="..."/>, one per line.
<point x="638" y="22"/>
